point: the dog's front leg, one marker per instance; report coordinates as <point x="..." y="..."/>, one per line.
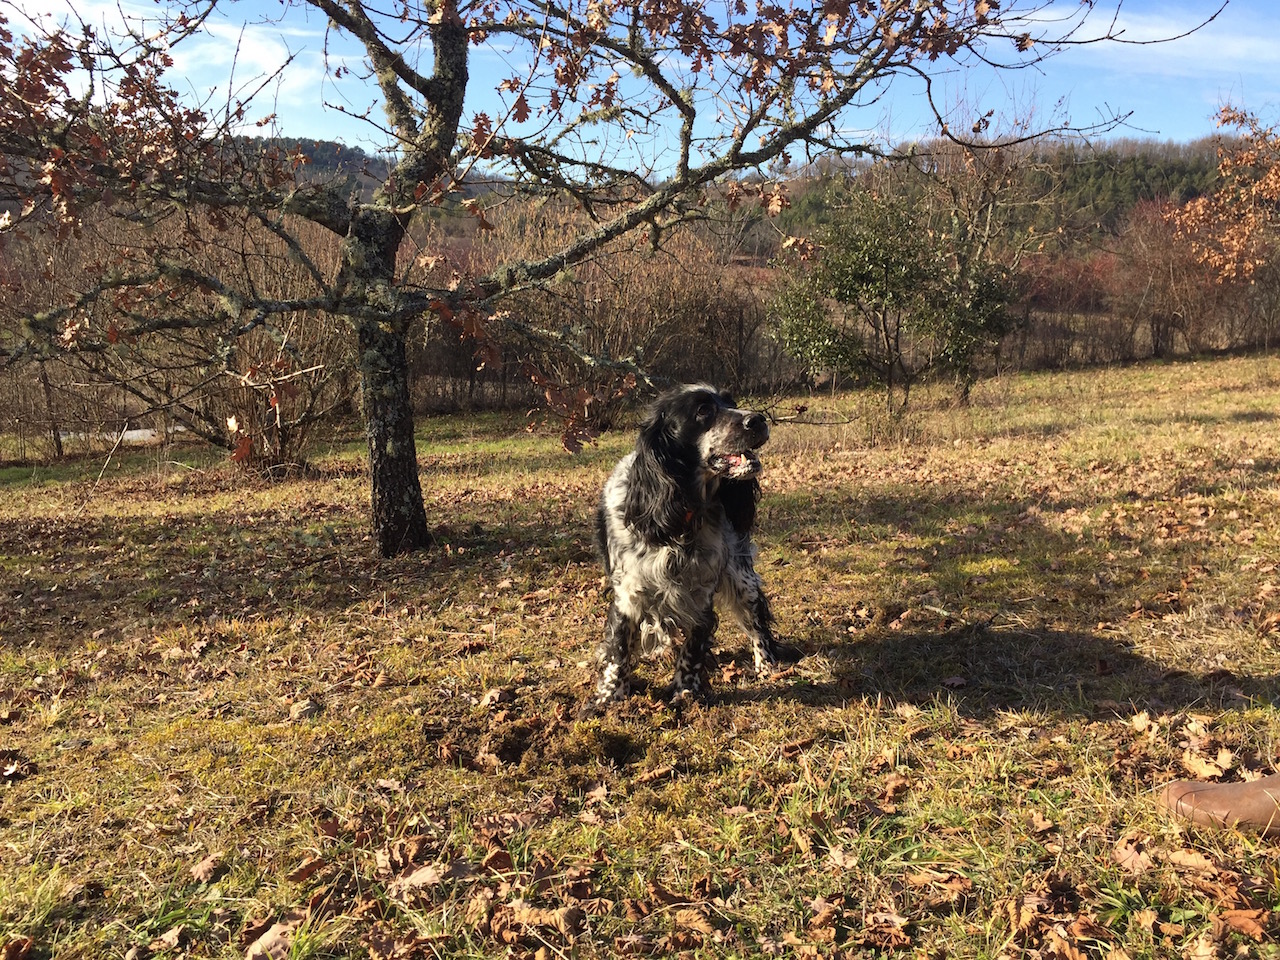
<point x="620" y="633"/>
<point x="769" y="655"/>
<point x="743" y="593"/>
<point x="691" y="660"/>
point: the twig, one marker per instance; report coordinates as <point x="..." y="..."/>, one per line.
<point x="105" y="464"/>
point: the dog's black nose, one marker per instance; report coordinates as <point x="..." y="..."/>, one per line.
<point x="755" y="422"/>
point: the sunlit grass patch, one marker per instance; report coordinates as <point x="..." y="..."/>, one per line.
<point x="1020" y="619"/>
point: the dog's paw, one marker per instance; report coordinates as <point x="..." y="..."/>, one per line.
<point x="684" y="700"/>
<point x="781" y="656"/>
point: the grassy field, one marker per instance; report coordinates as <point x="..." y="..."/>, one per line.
<point x="226" y="729"/>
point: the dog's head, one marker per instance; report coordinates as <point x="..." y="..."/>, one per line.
<point x="694" y="444"/>
<point x="702" y="419"/>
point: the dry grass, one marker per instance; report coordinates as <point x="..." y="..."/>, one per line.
<point x="1020" y="619"/>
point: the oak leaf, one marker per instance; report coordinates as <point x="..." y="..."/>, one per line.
<point x="1131" y="853"/>
<point x="1199" y="766"/>
<point x="1250" y="923"/>
<point x="274" y="944"/>
<point x="209" y="868"/>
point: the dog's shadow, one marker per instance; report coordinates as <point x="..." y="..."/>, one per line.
<point x="986" y="670"/>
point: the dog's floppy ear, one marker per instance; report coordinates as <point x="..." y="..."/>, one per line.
<point x="657" y="504"/>
<point x="740" y="498"/>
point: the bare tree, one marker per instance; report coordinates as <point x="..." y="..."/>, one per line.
<point x="631" y="109"/>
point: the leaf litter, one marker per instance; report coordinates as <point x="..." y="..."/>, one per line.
<point x="967" y="750"/>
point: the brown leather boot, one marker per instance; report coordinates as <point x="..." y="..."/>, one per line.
<point x="1253" y="806"/>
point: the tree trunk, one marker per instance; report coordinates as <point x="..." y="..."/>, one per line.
<point x="55" y="428"/>
<point x="368" y="276"/>
<point x="399" y="518"/>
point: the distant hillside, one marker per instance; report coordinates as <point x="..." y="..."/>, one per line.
<point x="325" y="156"/>
<point x="1097" y="187"/>
<point x="1083" y="189"/>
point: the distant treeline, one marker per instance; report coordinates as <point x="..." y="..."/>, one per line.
<point x="324" y="156"/>
<point x="1078" y="189"/>
<point x="1099" y="187"/>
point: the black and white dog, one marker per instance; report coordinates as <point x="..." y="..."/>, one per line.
<point x="674" y="527"/>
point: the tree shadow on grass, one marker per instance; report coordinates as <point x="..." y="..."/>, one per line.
<point x="70" y="578"/>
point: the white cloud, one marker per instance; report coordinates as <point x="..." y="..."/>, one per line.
<point x="1241" y="41"/>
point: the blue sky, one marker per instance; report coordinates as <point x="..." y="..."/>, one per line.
<point x="1172" y="89"/>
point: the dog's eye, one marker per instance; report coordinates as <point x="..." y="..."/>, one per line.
<point x="706" y="412"/>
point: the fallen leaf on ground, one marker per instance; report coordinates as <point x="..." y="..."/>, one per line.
<point x="1040" y="823"/>
<point x="495" y="828"/>
<point x="792" y="750"/>
<point x="1191" y="860"/>
<point x="304" y="870"/>
<point x="171" y="939"/>
<point x="304" y="709"/>
<point x="382" y="944"/>
<point x="1060" y="948"/>
<point x="1251" y="923"/>
<point x="275" y="944"/>
<point x="1131" y="853"/>
<point x="497" y="695"/>
<point x="1199" y="766"/>
<point x="693" y="919"/>
<point x="1146" y="919"/>
<point x="1202" y="948"/>
<point x="208" y="868"/>
<point x="895" y="784"/>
